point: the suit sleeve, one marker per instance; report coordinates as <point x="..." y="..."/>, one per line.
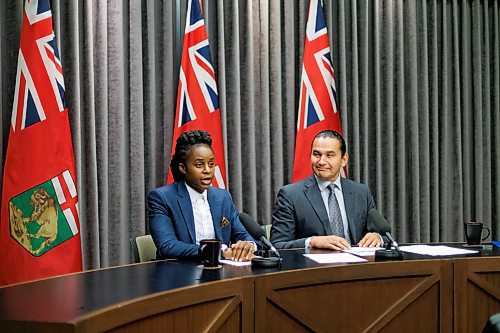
<point x="370" y="203"/>
<point x="283" y="225"/>
<point x="162" y="230"/>
<point x="238" y="231"/>
<point x="369" y="226"/>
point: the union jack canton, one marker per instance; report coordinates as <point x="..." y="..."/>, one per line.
<point x="39" y="43"/>
<point x="318" y="95"/>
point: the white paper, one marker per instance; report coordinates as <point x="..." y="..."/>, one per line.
<point x="363" y="251"/>
<point x="235" y="263"/>
<point x="435" y="250"/>
<point x="330" y="258"/>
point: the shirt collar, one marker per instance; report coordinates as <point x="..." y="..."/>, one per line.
<point x="195" y="195"/>
<point x="323" y="184"/>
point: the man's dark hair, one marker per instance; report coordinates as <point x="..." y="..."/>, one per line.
<point x="333" y="135"/>
<point x="185" y="142"/>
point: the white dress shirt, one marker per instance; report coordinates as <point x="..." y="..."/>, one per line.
<point x="203" y="223"/>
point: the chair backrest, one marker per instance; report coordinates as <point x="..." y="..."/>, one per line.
<point x="267" y="230"/>
<point x="493" y="324"/>
<point x="142" y="248"/>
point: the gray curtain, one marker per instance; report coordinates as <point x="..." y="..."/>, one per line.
<point x="418" y="85"/>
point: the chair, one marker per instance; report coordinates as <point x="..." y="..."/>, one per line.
<point x="267" y="230"/>
<point x="142" y="249"/>
<point x="493" y="324"/>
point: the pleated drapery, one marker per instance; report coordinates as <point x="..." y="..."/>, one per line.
<point x="417" y="83"/>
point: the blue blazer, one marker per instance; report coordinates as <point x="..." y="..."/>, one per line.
<point x="171" y="220"/>
<point x="300" y="213"/>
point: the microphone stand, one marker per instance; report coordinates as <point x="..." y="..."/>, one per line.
<point x="266" y="261"/>
<point x="265" y="253"/>
<point x="389" y="253"/>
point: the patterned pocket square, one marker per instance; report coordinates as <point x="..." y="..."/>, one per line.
<point x="224" y="222"/>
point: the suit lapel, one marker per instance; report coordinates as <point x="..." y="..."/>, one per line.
<point x="215" y="210"/>
<point x="187" y="209"/>
<point x="313" y="194"/>
<point x="349" y="198"/>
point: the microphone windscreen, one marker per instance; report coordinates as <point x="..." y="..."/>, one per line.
<point x="253" y="228"/>
<point x="379" y="221"/>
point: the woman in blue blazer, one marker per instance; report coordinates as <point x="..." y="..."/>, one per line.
<point x="190" y="209"/>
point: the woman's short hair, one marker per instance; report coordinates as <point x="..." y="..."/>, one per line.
<point x="185" y="142"/>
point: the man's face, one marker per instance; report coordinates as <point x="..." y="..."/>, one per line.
<point x="199" y="167"/>
<point x="327" y="159"/>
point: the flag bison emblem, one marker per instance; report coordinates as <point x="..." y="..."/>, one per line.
<point x="45" y="216"/>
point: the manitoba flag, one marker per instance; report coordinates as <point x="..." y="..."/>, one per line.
<point x="197" y="97"/>
<point x="318" y="108"/>
<point x="39" y="225"/>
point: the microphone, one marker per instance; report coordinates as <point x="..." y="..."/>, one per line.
<point x="384" y="228"/>
<point x="256" y="231"/>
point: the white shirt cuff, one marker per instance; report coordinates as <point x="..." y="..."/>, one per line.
<point x="308" y="239"/>
<point x="381" y="240"/>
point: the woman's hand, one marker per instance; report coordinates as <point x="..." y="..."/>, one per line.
<point x="241" y="251"/>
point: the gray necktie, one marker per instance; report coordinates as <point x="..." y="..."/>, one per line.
<point x="334" y="213"/>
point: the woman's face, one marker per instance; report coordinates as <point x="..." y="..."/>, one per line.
<point x="199" y="167"/>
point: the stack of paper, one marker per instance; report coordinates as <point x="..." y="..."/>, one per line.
<point x="435" y="250"/>
<point x="334" y="258"/>
<point x="363" y="251"/>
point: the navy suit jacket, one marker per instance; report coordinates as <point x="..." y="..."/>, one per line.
<point x="300" y="213"/>
<point x="171" y="220"/>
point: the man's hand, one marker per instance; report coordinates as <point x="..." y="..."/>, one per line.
<point x="329" y="242"/>
<point x="241" y="251"/>
<point x="371" y="239"/>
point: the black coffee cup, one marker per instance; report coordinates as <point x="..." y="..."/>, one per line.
<point x="210" y="252"/>
<point x="473" y="232"/>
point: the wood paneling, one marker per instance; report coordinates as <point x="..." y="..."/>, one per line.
<point x="224" y="306"/>
<point x="477" y="292"/>
<point x="356" y="298"/>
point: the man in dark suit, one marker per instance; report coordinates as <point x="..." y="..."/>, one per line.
<point x="324" y="210"/>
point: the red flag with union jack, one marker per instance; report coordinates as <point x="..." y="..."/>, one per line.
<point x="318" y="108"/>
<point x="39" y="226"/>
<point x="197" y="97"/>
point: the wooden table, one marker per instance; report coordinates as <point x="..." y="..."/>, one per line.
<point x="418" y="294"/>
